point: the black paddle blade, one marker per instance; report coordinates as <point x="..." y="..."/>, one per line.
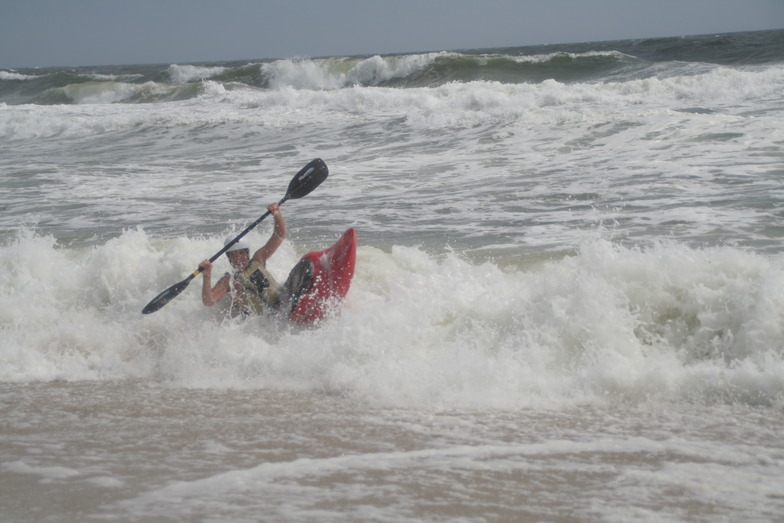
<point x="307" y="179"/>
<point x="166" y="296"/>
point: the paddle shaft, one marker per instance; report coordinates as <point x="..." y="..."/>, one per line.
<point x="239" y="237"/>
<point x="307" y="179"/>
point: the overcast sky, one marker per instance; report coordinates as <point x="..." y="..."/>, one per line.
<point x="97" y="32"/>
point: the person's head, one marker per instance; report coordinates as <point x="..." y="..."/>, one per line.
<point x="238" y="254"/>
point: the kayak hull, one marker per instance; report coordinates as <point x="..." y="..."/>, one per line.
<point x="322" y="279"/>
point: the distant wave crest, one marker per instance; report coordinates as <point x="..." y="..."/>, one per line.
<point x="587" y="63"/>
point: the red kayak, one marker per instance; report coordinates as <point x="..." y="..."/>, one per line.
<point x="321" y="279"/>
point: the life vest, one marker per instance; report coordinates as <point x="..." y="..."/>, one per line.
<point x="261" y="293"/>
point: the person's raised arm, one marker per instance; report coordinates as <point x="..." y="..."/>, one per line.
<point x="278" y="235"/>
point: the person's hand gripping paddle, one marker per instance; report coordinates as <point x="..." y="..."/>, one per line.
<point x="307" y="179"/>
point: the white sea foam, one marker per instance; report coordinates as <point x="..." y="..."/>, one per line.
<point x="544" y="58"/>
<point x="181" y="74"/>
<point x="13" y="75"/>
<point x="670" y="322"/>
<point x="303" y="487"/>
<point x="47" y="474"/>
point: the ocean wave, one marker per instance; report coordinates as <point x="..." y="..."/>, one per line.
<point x="108" y="92"/>
<point x="112" y="77"/>
<point x="14" y="76"/>
<point x="451" y="106"/>
<point x="668" y="322"/>
<point x="435" y="69"/>
<point x="182" y="74"/>
<point x="758" y="47"/>
<point x="399" y="71"/>
<point x="597" y="62"/>
<point x="337" y="73"/>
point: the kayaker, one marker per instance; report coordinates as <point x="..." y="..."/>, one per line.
<point x="251" y="287"/>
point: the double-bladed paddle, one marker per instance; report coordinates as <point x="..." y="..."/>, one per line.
<point x="307" y="179"/>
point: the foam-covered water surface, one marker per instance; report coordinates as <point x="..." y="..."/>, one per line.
<point x="140" y="451"/>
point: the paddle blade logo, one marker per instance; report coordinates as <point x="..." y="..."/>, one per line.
<point x="307" y="179"/>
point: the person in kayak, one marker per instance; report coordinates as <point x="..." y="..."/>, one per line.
<point x="251" y="287"/>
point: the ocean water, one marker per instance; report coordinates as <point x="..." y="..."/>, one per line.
<point x="568" y="302"/>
